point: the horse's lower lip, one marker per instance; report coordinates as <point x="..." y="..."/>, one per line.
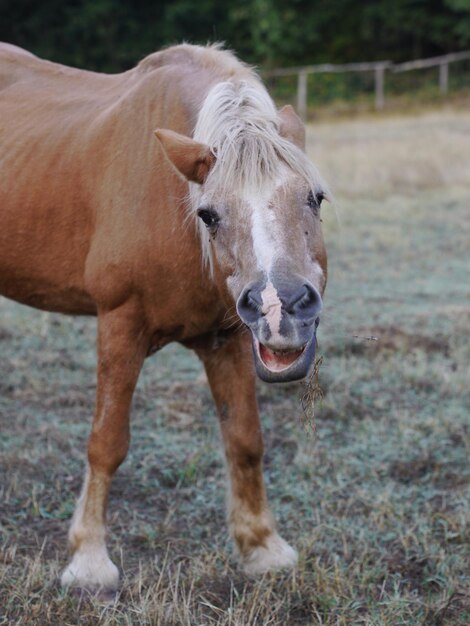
<point x="283" y="366"/>
<point x="278" y="360"/>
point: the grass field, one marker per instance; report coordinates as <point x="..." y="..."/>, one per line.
<point x="377" y="501"/>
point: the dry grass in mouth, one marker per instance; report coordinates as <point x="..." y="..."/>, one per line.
<point x="311" y="393"/>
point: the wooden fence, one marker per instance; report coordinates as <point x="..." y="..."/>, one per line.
<point x="377" y="67"/>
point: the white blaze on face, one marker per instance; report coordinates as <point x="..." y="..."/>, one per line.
<point x="266" y="248"/>
<point x="262" y="235"/>
<point x="265" y="231"/>
<point x="272" y="310"/>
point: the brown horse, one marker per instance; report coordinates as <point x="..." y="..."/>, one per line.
<point x="208" y="235"/>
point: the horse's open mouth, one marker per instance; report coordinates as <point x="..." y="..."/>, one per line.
<point x="278" y="360"/>
<point x="278" y="366"/>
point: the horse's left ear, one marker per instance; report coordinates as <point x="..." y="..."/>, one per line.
<point x="192" y="159"/>
<point x="292" y="127"/>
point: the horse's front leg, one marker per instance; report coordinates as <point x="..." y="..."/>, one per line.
<point x="121" y="351"/>
<point x="231" y="376"/>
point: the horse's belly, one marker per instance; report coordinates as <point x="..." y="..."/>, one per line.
<point x="42" y="261"/>
<point x="44" y="236"/>
<point x="46" y="295"/>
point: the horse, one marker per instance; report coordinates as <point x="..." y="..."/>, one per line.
<point x="175" y="202"/>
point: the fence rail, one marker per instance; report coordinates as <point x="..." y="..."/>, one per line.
<point x="378" y="67"/>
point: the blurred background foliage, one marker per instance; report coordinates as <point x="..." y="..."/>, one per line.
<point x="112" y="35"/>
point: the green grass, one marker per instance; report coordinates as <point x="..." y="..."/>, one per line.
<point x="377" y="502"/>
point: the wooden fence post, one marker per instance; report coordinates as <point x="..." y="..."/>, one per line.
<point x="444" y="78"/>
<point x="302" y="94"/>
<point x="379" y="87"/>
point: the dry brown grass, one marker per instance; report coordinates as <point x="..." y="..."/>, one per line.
<point x="376" y="157"/>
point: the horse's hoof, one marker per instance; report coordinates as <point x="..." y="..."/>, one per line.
<point x="94" y="573"/>
<point x="275" y="555"/>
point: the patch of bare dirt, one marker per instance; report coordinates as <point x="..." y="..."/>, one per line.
<point x="413" y="470"/>
<point x="379" y="339"/>
<point x="5" y="334"/>
<point x="442" y="475"/>
<point x="412" y="569"/>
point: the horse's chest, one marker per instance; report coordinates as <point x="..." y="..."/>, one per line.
<point x="185" y="312"/>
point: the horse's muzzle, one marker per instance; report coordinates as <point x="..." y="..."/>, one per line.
<point x="283" y="319"/>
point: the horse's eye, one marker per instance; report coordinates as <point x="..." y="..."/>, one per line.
<point x="209" y="217"/>
<point x="314" y="200"/>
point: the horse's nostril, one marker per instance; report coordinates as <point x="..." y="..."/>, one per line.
<point x="252" y="301"/>
<point x="303" y="299"/>
<point x="305" y="302"/>
<point x="249" y="300"/>
<point x="249" y="306"/>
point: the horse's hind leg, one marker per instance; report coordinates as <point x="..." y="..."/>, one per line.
<point x="231" y="377"/>
<point x="121" y="351"/>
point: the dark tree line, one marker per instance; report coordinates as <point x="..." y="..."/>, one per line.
<point x="112" y="35"/>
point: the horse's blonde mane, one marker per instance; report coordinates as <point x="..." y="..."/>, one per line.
<point x="239" y="122"/>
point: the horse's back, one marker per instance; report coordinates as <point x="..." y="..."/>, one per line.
<point x="14" y="54"/>
<point x="57" y="84"/>
<point x="10" y="49"/>
<point x="15" y="63"/>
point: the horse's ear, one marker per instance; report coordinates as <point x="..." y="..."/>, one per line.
<point x="194" y="160"/>
<point x="292" y="127"/>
